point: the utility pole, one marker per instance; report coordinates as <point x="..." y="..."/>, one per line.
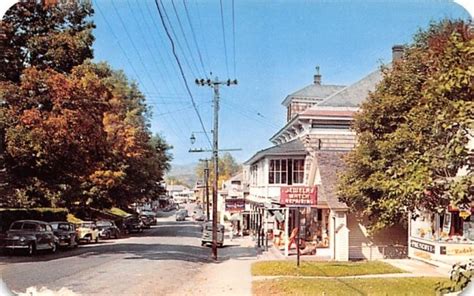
<point x="206" y="184"/>
<point x="215" y="85"/>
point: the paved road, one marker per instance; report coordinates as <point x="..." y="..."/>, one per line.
<point x="156" y="262"/>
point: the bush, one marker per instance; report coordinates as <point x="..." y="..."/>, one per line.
<point x="9" y="215"/>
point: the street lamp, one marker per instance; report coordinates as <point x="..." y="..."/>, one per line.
<point x="193" y="139"/>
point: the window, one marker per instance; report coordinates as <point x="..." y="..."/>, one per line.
<point x="286" y="171"/>
<point x="278" y="171"/>
<point x="298" y="171"/>
<point x="29" y="226"/>
<point x="253" y="174"/>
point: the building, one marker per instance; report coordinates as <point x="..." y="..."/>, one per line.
<point x="301" y="170"/>
<point x="180" y="193"/>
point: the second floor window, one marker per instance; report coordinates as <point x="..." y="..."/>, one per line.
<point x="286" y="171"/>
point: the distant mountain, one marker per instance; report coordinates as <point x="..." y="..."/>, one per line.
<point x="183" y="172"/>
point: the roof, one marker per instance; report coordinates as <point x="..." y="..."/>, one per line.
<point x="313" y="92"/>
<point x="176" y="188"/>
<point x="329" y="112"/>
<point x="354" y="94"/>
<point x="330" y="164"/>
<point x="288" y="148"/>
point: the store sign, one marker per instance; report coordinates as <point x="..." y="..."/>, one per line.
<point x="298" y="195"/>
<point x="459" y="250"/>
<point x="235" y="205"/>
<point x="422" y="246"/>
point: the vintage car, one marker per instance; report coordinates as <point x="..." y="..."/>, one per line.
<point x="65" y="232"/>
<point x="107" y="229"/>
<point x="133" y="224"/>
<point x="207" y="234"/>
<point x="30" y="236"/>
<point x="87" y="231"/>
<point x="180" y="215"/>
<point x="199" y="216"/>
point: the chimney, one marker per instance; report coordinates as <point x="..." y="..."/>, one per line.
<point x="317" y="77"/>
<point x="397" y="52"/>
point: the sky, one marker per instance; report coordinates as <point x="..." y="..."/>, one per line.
<point x="277" y="46"/>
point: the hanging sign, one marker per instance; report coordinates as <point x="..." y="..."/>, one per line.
<point x="235" y="205"/>
<point x="298" y="195"/>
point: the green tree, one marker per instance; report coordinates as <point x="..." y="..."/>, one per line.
<point x="413" y="131"/>
<point x="228" y="167"/>
<point x="57" y="36"/>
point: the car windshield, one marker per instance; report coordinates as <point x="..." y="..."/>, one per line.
<point x="87" y="225"/>
<point x="60" y="226"/>
<point x="16" y="225"/>
<point x="29" y="226"/>
<point x="103" y="223"/>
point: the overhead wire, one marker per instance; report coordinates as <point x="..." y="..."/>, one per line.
<point x="181" y="70"/>
<point x="194" y="37"/>
<point x="158" y="68"/>
<point x="200" y="29"/>
<point x="186" y="39"/>
<point x="165" y="14"/>
<point x="120" y="46"/>
<point x="233" y="35"/>
<point x="223" y="37"/>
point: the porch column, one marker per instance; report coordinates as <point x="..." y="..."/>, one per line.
<point x="287" y="218"/>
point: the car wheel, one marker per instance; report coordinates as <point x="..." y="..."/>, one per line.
<point x="117" y="235"/>
<point x="202" y="244"/>
<point x="107" y="236"/>
<point x="31" y="249"/>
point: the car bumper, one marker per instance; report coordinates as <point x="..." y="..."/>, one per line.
<point x="15" y="244"/>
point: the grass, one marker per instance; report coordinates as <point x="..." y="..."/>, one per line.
<point x="374" y="286"/>
<point x="278" y="268"/>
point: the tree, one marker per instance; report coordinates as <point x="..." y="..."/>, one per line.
<point x="58" y="37"/>
<point x="71" y="131"/>
<point x="228" y="167"/>
<point x="413" y="131"/>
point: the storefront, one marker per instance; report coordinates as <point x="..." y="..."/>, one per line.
<point x="444" y="237"/>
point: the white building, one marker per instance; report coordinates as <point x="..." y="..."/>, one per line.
<point x="308" y="153"/>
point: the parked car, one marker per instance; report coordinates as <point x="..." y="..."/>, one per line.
<point x="207" y="234"/>
<point x="65" y="232"/>
<point x="30" y="236"/>
<point x="107" y="229"/>
<point x="133" y="224"/>
<point x="180" y="215"/>
<point x="87" y="231"/>
<point x="199" y="216"/>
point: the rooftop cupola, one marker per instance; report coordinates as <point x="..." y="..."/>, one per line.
<point x="317" y="77"/>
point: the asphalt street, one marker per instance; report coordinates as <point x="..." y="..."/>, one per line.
<point x="156" y="262"/>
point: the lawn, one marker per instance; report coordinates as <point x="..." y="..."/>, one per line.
<point x="373" y="286"/>
<point x="277" y="268"/>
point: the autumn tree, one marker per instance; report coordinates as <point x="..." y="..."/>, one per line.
<point x="413" y="131"/>
<point x="56" y="37"/>
<point x="71" y="131"/>
<point x="228" y="167"/>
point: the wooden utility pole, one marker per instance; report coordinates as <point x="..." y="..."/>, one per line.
<point x="215" y="153"/>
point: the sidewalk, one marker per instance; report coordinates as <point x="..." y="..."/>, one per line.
<point x="230" y="275"/>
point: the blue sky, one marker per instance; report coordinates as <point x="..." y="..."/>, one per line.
<point x="277" y="46"/>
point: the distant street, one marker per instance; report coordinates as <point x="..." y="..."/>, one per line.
<point x="156" y="262"/>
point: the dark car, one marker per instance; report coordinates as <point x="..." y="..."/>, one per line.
<point x="30" y="236"/>
<point x="133" y="224"/>
<point x="107" y="229"/>
<point x="65" y="232"/>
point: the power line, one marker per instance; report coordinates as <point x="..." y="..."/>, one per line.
<point x="185" y="39"/>
<point x="182" y="72"/>
<point x="176" y="38"/>
<point x="194" y="37"/>
<point x="200" y="26"/>
<point x="233" y="34"/>
<point x="223" y="36"/>
<point x="175" y="122"/>
<point x="120" y="45"/>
